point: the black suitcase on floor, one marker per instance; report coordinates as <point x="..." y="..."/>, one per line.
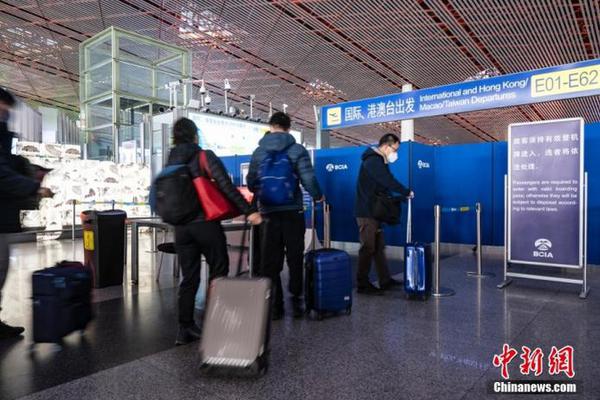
<point x="62" y="301"/>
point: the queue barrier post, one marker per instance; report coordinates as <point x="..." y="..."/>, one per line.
<point x="479" y="273"/>
<point x="438" y="291"/>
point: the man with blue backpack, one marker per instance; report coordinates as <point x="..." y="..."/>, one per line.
<point x="278" y="166"/>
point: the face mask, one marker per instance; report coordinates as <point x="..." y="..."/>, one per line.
<point x="392" y="157"/>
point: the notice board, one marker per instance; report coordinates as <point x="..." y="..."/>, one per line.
<point x="545" y="193"/>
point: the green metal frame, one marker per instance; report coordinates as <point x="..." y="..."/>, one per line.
<point x="113" y="37"/>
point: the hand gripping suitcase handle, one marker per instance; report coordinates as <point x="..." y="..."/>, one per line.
<point x="409" y="222"/>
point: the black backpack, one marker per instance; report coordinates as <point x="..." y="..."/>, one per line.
<point x="173" y="195"/>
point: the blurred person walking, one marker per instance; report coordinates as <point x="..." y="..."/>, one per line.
<point x="15" y="189"/>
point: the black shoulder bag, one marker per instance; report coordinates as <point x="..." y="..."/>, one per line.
<point x="387" y="208"/>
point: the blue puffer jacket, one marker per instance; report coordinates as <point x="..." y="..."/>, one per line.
<point x="278" y="141"/>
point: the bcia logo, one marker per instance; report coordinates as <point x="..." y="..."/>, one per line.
<point x="422" y="164"/>
<point x="543" y="247"/>
<point x="336" y="167"/>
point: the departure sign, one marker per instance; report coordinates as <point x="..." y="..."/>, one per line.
<point x="548" y="84"/>
<point x="567" y="81"/>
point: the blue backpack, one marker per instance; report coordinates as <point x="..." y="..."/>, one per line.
<point x="278" y="182"/>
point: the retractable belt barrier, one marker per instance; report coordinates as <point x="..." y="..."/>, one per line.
<point x="438" y="210"/>
<point x="462" y="209"/>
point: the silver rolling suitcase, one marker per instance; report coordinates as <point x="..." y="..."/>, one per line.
<point x="237" y="326"/>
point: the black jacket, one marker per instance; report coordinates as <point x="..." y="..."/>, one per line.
<point x="14" y="187"/>
<point x="188" y="153"/>
<point x="374" y="177"/>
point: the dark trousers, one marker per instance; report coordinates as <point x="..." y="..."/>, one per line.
<point x="192" y="241"/>
<point x="4" y="262"/>
<point x="282" y="235"/>
<point x="372" y="246"/>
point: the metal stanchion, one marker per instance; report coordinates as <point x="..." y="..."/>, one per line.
<point x="134" y="253"/>
<point x="438" y="291"/>
<point x="507" y="281"/>
<point x="153" y="242"/>
<point x="479" y="273"/>
<point x="585" y="290"/>
<point x="74" y="221"/>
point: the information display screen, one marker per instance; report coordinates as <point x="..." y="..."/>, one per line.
<point x="228" y="136"/>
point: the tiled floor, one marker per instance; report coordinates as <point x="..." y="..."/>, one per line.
<point x="389" y="348"/>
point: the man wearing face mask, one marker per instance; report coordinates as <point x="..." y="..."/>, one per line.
<point x="14" y="187"/>
<point x="375" y="177"/>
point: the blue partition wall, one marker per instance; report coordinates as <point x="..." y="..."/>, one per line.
<point x="592" y="166"/>
<point x="463" y="176"/>
<point x="452" y="176"/>
<point x="337" y="173"/>
<point x="396" y="235"/>
<point x="500" y="168"/>
<point x="422" y="167"/>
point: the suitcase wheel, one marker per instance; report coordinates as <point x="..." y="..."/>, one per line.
<point x="319" y="316"/>
<point x="349" y="311"/>
<point x="259" y="367"/>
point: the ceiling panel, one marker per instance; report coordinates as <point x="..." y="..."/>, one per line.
<point x="315" y="52"/>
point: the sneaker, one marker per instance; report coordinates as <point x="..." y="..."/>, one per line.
<point x="8" y="332"/>
<point x="391" y="284"/>
<point x="187" y="334"/>
<point x="370" y="290"/>
<point x="298" y="309"/>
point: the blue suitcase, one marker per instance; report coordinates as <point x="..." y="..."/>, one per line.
<point x="417" y="270"/>
<point x="417" y="264"/>
<point x="62" y="301"/>
<point x="328" y="278"/>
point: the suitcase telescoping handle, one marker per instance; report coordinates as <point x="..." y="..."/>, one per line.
<point x="409" y="222"/>
<point x="245" y="230"/>
<point x="326" y="225"/>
